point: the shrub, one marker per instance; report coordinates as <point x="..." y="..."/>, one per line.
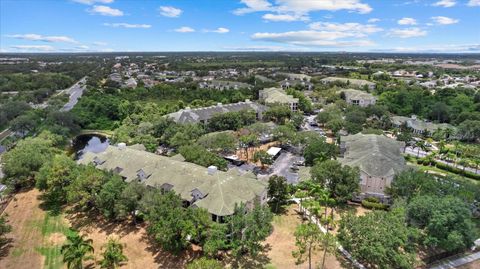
<point x="373" y="205"/>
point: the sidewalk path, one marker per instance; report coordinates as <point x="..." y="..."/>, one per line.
<point x="448" y="264"/>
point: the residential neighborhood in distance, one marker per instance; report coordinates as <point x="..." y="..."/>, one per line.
<point x="272" y="134"/>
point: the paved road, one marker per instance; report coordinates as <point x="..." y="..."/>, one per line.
<point x="75" y="93"/>
<point x="448" y="264"/>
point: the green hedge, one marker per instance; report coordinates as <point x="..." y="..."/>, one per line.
<point x="373" y="205"/>
<point x="455" y="170"/>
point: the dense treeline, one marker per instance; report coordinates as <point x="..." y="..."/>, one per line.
<point x="30" y="82"/>
<point x="429" y="214"/>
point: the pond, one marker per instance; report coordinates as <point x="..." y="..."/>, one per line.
<point x="88" y="143"/>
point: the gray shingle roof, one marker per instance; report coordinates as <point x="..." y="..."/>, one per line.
<point x="205" y="113"/>
<point x="221" y="190"/>
<point x="376" y="155"/>
<point x="276" y="95"/>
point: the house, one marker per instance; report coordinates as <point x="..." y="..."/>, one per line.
<point x="216" y="191"/>
<point x="350" y="81"/>
<point x="292" y="76"/>
<point x="130" y="83"/>
<point x="419" y="126"/>
<point x="286" y="84"/>
<point x="358" y="98"/>
<point x="378" y="157"/>
<point x="271" y="96"/>
<point x="203" y="114"/>
<point x="223" y="85"/>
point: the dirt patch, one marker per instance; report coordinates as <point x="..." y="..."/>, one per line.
<point x="56" y="239"/>
<point x="250" y="152"/>
<point x="23" y="214"/>
<point x="140" y="250"/>
<point x="282" y="243"/>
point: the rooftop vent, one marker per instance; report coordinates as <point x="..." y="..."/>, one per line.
<point x="212" y="170"/>
<point x="122" y="146"/>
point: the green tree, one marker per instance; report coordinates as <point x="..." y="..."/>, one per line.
<point x="113" y="255"/>
<point x="76" y="250"/>
<point x="318" y="150"/>
<point x="342" y="182"/>
<point x="129" y="200"/>
<point x="204" y="263"/>
<point x="263" y="157"/>
<point x="308" y="239"/>
<point x="248" y="229"/>
<point x="169" y="222"/>
<point x="223" y="142"/>
<point x="378" y="239"/>
<point x="199" y="155"/>
<point x="55" y="177"/>
<point x="109" y="196"/>
<point x="5" y="228"/>
<point x="446" y="221"/>
<point x="22" y="162"/>
<point x="83" y="190"/>
<point x="278" y="113"/>
<point x="278" y="191"/>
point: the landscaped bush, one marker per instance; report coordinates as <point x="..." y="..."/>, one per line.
<point x="457" y="170"/>
<point x="373" y="205"/>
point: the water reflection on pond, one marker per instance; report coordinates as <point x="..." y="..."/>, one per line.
<point x="89" y="143"/>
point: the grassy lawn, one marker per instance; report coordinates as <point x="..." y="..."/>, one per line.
<point x="54" y="231"/>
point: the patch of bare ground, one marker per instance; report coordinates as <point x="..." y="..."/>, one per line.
<point x="282" y="243"/>
<point x="24" y="215"/>
<point x="140" y="249"/>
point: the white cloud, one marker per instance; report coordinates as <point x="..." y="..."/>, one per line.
<point x="253" y="6"/>
<point x="128" y="25"/>
<point x="288" y="10"/>
<point x="311" y="38"/>
<point x="444" y="20"/>
<point x="449" y="48"/>
<point x="33" y="47"/>
<point x="169" y="11"/>
<point x="91" y="2"/>
<point x="36" y="37"/>
<point x="408" y="32"/>
<point x="219" y="30"/>
<point x="407" y="21"/>
<point x="106" y="11"/>
<point x="100" y="43"/>
<point x="445" y="3"/>
<point x="284" y="17"/>
<point x="184" y="29"/>
<point x="82" y="47"/>
<point x="474" y="3"/>
<point x="373" y="20"/>
<point x="351" y="28"/>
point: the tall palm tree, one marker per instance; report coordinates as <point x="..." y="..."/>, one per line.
<point x="420" y="145"/>
<point x="113" y="255"/>
<point x="76" y="250"/>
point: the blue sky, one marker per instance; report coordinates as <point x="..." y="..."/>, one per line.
<point x="229" y="25"/>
